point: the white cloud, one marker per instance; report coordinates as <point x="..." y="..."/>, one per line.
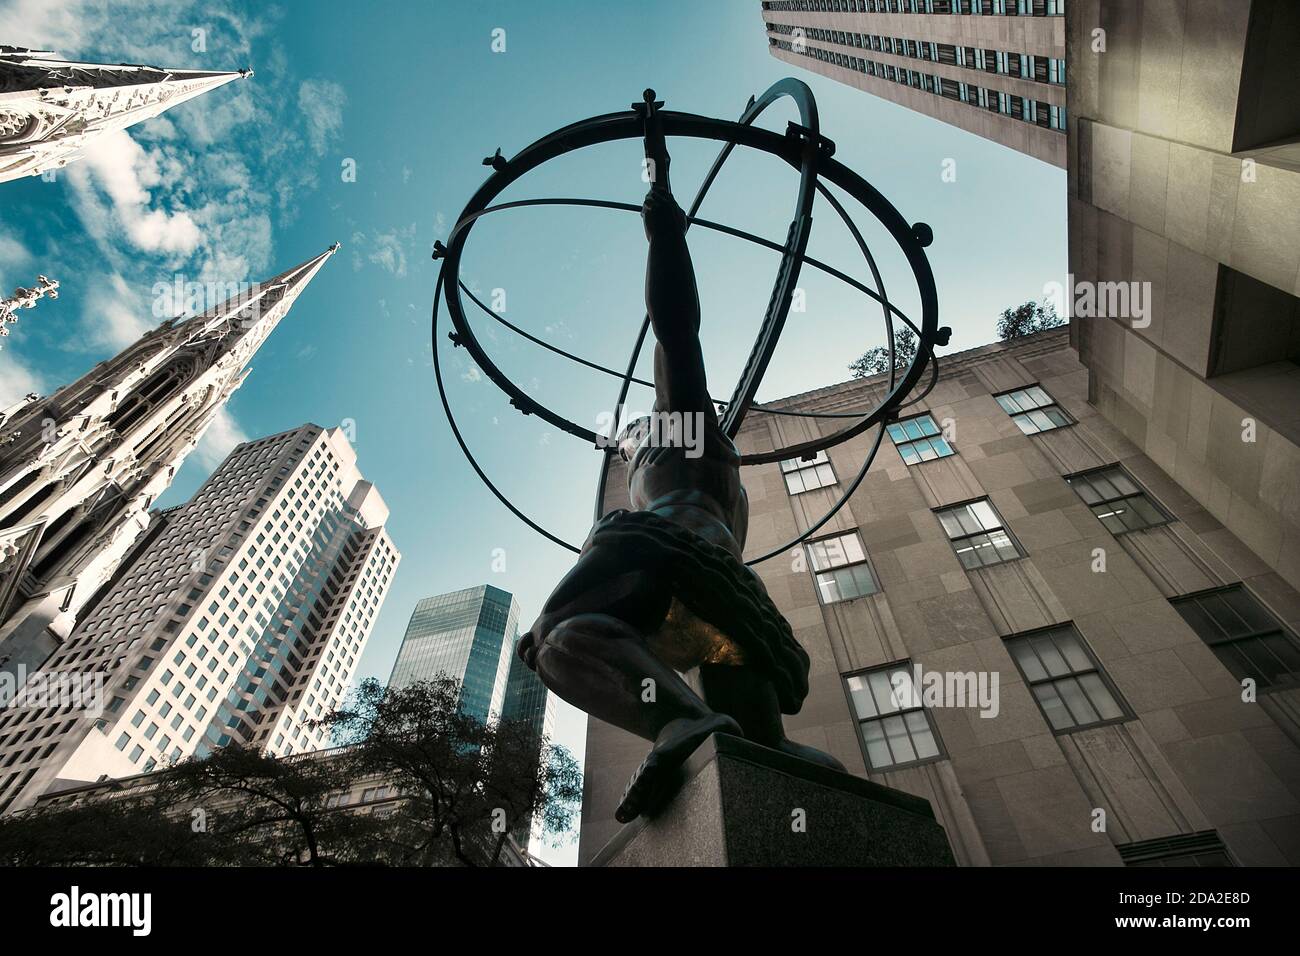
<point x="385" y="249"/>
<point x="321" y="103"/>
<point x="220" y="439"/>
<point x="16" y="379"/>
<point x="58" y="23"/>
<point x="13" y="255"/>
<point x="116" y="314"/>
<point x="123" y="171"/>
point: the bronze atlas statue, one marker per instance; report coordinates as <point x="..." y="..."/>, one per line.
<point x="663" y="589"/>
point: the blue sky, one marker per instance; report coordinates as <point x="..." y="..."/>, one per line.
<point x="246" y="181"/>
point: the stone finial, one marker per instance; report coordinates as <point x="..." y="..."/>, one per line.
<point x="25" y="298"/>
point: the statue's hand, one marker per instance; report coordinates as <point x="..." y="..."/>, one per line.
<point x="527" y="650"/>
<point x="661" y="214"/>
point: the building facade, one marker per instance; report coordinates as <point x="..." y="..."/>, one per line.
<point x="467" y="635"/>
<point x="1019" y="616"/>
<point x="995" y="68"/>
<point x="51" y="109"/>
<point x="1184" y="186"/>
<point x="239" y="619"/>
<point x="80" y="469"/>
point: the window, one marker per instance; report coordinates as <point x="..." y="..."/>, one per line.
<point x="801" y="476"/>
<point x="1243" y="635"/>
<point x="977" y="535"/>
<point x="841" y="569"/>
<point x="895" y="729"/>
<point x="1185" y="849"/>
<point x="919" y="439"/>
<point x="1033" y="410"/>
<point x="1116" y="499"/>
<point x="1065" y="679"/>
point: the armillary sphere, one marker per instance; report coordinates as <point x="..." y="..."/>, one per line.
<point x="802" y="146"/>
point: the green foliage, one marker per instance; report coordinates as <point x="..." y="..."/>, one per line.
<point x="467" y="785"/>
<point x="1027" y="319"/>
<point x="119" y="830"/>
<point x="459" y="789"/>
<point x="875" y="361"/>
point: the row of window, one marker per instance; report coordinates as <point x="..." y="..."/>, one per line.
<point x="1067" y="680"/>
<point x="1026" y="66"/>
<point x="920" y="439"/>
<point x="843" y="572"/>
<point x="1003" y="8"/>
<point x="1043" y="115"/>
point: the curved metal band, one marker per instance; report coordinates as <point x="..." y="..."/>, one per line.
<point x="844" y="277"/>
<point x="792" y="149"/>
<point x="596" y="366"/>
<point x="460" y="440"/>
<point x="805" y="151"/>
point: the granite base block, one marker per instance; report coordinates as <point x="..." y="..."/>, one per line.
<point x="741" y="804"/>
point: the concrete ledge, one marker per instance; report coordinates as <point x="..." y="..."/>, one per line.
<point x="741" y="804"/>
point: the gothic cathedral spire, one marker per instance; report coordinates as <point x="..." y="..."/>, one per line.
<point x="52" y="109"/>
<point x="80" y="469"/>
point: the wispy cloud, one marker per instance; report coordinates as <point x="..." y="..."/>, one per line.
<point x="13" y="256"/>
<point x="16" y="379"/>
<point x="223" y="434"/>
<point x="112" y="192"/>
<point x="193" y="192"/>
<point x="321" y="103"/>
<point x="384" y="249"/>
<point x="116" y="315"/>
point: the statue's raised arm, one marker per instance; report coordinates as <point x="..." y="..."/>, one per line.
<point x="671" y="298"/>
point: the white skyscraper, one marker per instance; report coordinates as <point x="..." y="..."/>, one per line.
<point x="80" y="469"/>
<point x="239" y="619"/>
<point x="52" y="109"/>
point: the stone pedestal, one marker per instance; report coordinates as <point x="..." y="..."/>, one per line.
<point x="741" y="804"/>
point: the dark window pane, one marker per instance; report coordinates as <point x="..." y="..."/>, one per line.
<point x="1075" y="699"/>
<point x="900" y="744"/>
<point x="1053" y="709"/>
<point x="1100" y="696"/>
<point x="1052" y="659"/>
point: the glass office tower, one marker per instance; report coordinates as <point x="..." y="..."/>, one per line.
<point x="468" y="635"/>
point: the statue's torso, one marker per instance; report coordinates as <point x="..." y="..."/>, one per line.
<point x="701" y="493"/>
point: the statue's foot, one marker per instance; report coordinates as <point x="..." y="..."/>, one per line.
<point x="811" y="754"/>
<point x="656" y="779"/>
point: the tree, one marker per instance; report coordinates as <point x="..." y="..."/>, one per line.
<point x="456" y="789"/>
<point x="875" y="361"/>
<point x="236" y="807"/>
<point x="1028" y="318"/>
<point x="466" y="784"/>
<point x="259" y="810"/>
<point x="130" y="829"/>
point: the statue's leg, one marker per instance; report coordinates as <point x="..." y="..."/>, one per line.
<point x="749" y="696"/>
<point x="602" y="665"/>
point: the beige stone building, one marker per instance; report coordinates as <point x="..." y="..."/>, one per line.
<point x="995" y="68"/>
<point x="1010" y="539"/>
<point x="239" y="618"/>
<point x="1184" y="217"/>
